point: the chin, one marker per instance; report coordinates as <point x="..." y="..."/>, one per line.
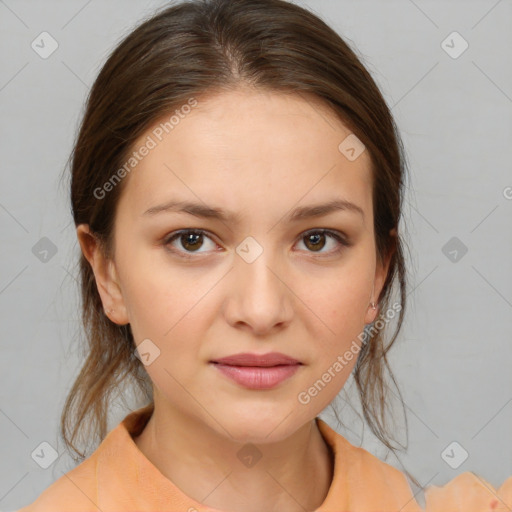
<point x="258" y="427"/>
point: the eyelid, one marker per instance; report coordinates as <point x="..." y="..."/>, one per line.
<point x="342" y="239"/>
<point x="174" y="235"/>
<point x="339" y="236"/>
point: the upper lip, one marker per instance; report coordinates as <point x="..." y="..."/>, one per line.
<point x="248" y="359"/>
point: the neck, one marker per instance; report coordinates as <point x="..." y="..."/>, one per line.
<point x="293" y="474"/>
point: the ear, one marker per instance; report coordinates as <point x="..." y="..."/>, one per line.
<point x="105" y="275"/>
<point x="381" y="273"/>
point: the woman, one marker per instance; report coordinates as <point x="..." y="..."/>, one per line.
<point x="236" y="189"/>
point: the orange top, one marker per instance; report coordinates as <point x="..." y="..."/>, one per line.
<point x="118" y="477"/>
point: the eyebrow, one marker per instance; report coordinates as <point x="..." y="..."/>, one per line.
<point x="210" y="212"/>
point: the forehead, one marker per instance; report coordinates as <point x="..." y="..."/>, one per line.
<point x="248" y="149"/>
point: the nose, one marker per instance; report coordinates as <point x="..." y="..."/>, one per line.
<point x="258" y="297"/>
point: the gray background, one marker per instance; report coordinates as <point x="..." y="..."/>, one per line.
<point x="453" y="358"/>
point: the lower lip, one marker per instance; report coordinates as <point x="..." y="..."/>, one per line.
<point x="258" y="377"/>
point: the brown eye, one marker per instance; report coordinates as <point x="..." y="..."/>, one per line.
<point x="190" y="240"/>
<point x="316" y="240"/>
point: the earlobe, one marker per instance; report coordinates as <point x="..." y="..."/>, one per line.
<point x="378" y="282"/>
<point x="381" y="274"/>
<point x="104" y="273"/>
<point x="371" y="313"/>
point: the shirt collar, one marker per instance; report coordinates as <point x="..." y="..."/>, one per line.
<point x="127" y="480"/>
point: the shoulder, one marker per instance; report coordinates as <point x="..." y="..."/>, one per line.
<point x="368" y="480"/>
<point x="74" y="491"/>
<point x="382" y="478"/>
<point x="78" y="490"/>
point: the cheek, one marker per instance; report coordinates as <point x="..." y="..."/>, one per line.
<point x="343" y="301"/>
<point x="166" y="304"/>
<point x="339" y="306"/>
<point x="150" y="293"/>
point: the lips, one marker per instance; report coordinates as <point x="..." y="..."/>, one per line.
<point x="257" y="372"/>
<point x="255" y="360"/>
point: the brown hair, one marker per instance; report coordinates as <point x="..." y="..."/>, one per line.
<point x="184" y="51"/>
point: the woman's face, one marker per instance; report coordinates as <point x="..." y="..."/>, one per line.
<point x="261" y="280"/>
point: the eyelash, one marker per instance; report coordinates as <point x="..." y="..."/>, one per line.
<point x="189" y="255"/>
